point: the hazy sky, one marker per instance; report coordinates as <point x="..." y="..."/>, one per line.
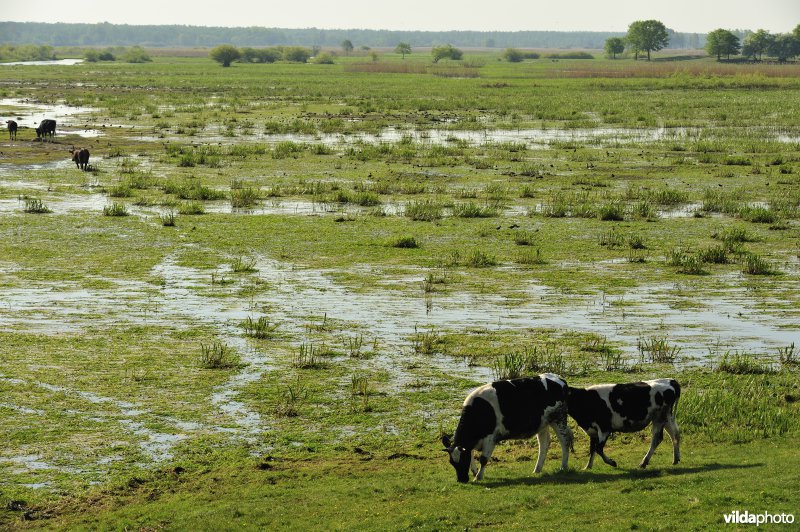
<point x="699" y="16"/>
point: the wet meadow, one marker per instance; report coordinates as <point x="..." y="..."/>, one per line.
<point x="270" y="293"/>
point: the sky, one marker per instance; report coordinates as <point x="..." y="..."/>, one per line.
<point x="693" y="16"/>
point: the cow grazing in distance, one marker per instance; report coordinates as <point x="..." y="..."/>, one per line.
<point x="505" y="410"/>
<point x="47" y="127"/>
<point x="605" y="408"/>
<point x="81" y="158"/>
<point x="12" y="129"/>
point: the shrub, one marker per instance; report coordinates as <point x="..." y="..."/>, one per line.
<point x="224" y="54"/>
<point x="136" y="54"/>
<point x="323" y="59"/>
<point x="446" y="51"/>
<point x="512" y="55"/>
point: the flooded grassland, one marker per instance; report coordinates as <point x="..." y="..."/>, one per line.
<point x="324" y="263"/>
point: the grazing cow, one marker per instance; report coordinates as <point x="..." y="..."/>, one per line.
<point x="81" y="158"/>
<point x="505" y="410"/>
<point x="606" y="408"/>
<point x="12" y="129"/>
<point x="47" y="127"/>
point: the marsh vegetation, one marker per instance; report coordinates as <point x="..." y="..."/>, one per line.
<point x="286" y="271"/>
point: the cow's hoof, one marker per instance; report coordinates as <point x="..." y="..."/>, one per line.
<point x="612" y="463"/>
<point x="675" y="462"/>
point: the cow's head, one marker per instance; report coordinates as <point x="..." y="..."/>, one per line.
<point x="460" y="459"/>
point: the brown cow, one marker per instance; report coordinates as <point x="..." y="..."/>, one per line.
<point x="81" y="158"/>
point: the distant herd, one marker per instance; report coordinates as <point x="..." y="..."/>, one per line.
<point x="521" y="408"/>
<point x="47" y="129"/>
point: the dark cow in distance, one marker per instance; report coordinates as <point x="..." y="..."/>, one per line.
<point x="12" y="129"/>
<point x="505" y="410"/>
<point x="605" y="408"/>
<point x="81" y="158"/>
<point x="47" y="127"/>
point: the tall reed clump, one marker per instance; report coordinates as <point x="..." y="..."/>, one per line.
<point x="657" y="349"/>
<point x="424" y="210"/>
<point x="35" y="206"/>
<point x="307" y="357"/>
<point x="473" y="210"/>
<point x="261" y="328"/>
<point x="425" y="342"/>
<point x="292" y="399"/>
<point x="686" y="263"/>
<point x="242" y="198"/>
<point x="529" y="361"/>
<point x="754" y="264"/>
<point x="167" y="219"/>
<point x="360" y="392"/>
<point x="244" y="265"/>
<point x="739" y="407"/>
<point x="405" y="242"/>
<point x="216" y="356"/>
<point x="115" y="209"/>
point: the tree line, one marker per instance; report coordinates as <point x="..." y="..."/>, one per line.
<point x="645" y="36"/>
<point x="105" y="34"/>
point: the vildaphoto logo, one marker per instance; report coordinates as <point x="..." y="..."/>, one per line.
<point x="746" y="518"/>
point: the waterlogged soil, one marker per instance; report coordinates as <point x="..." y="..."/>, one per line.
<point x="165" y="405"/>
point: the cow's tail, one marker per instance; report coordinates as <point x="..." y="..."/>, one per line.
<point x="677" y="388"/>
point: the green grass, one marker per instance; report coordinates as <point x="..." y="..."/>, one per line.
<point x="298" y="425"/>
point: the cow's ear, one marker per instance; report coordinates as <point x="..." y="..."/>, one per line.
<point x="446" y="441"/>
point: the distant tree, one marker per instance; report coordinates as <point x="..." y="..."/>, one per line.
<point x="248" y="55"/>
<point x="756" y="44"/>
<point x="225" y="54"/>
<point x="512" y="55"/>
<point x="323" y="59"/>
<point x="404" y="48"/>
<point x="446" y="51"/>
<point x="296" y="54"/>
<point x="106" y="55"/>
<point x="722" y="42"/>
<point x="136" y="54"/>
<point x="647" y="36"/>
<point x="783" y="47"/>
<point x="347" y="46"/>
<point x="374" y="56"/>
<point x="614" y="46"/>
<point x="91" y="56"/>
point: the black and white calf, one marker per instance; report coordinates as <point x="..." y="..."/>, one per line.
<point x="606" y="408"/>
<point x="506" y="410"/>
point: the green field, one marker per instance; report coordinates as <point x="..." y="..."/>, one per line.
<point x="270" y="294"/>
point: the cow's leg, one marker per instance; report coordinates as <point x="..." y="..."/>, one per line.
<point x="543" y="437"/>
<point x="674" y="434"/>
<point x="592" y="450"/>
<point x="658" y="435"/>
<point x="601" y="443"/>
<point x="564" y="434"/>
<point x="486" y="454"/>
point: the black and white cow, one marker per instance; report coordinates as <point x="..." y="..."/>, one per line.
<point x="506" y="410"/>
<point x="606" y="408"/>
<point x="12" y="129"/>
<point x="47" y="128"/>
